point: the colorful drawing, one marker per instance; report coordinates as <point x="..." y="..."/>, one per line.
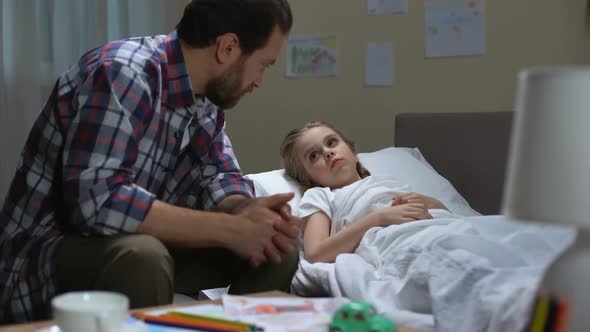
<point x="312" y="57"/>
<point x="455" y="28"/>
<point x="277" y="309"/>
<point x="284" y="314"/>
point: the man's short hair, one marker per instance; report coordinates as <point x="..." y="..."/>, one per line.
<point x="253" y="21"/>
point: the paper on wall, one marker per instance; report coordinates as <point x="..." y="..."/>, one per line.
<point x="379" y="7"/>
<point x="379" y="65"/>
<point x="312" y="57"/>
<point x="454" y="28"/>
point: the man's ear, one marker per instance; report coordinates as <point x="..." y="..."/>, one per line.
<point x="228" y="48"/>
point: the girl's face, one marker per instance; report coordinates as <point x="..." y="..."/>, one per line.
<point x="326" y="158"/>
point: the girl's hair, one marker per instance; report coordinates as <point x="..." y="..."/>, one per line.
<point x="294" y="168"/>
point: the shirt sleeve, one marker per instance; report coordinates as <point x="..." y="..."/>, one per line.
<point x="315" y="200"/>
<point x="224" y="172"/>
<point x="101" y="150"/>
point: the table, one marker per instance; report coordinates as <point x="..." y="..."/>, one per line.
<point x="33" y="327"/>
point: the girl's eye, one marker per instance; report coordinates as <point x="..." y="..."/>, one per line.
<point x="313" y="156"/>
<point x="332" y="142"/>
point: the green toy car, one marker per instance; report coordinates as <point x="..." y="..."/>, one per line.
<point x="360" y="317"/>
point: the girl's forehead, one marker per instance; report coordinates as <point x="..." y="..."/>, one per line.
<point x="314" y="135"/>
<point x="317" y="133"/>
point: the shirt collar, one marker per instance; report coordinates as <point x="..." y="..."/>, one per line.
<point x="180" y="92"/>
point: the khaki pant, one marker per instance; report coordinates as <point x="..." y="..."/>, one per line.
<point x="141" y="267"/>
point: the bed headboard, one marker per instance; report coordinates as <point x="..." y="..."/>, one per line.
<point x="469" y="149"/>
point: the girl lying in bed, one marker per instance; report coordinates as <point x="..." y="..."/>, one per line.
<point x="342" y="200"/>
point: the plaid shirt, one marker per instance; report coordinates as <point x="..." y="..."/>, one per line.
<point x="121" y="128"/>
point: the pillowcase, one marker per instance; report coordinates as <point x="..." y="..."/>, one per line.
<point x="409" y="166"/>
<point x="276" y="182"/>
<point x="406" y="164"/>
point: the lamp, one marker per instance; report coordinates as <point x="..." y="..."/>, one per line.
<point x="548" y="176"/>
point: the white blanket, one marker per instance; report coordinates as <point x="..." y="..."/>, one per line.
<point x="449" y="274"/>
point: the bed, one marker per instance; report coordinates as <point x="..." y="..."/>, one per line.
<point x="468" y="149"/>
<point x="469" y="268"/>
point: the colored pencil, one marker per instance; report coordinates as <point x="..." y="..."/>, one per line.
<point x="563" y="314"/>
<point x="249" y="326"/>
<point x="188" y="323"/>
<point x="541" y="312"/>
<point x="207" y="321"/>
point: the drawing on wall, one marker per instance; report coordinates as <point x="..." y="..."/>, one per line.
<point x="312" y="57"/>
<point x="455" y="28"/>
<point x="379" y="65"/>
<point x="379" y="7"/>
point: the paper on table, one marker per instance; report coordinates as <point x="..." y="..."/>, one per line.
<point x="284" y="314"/>
<point x="213" y="293"/>
<point x="135" y="325"/>
<point x="379" y="65"/>
<point x="213" y="310"/>
<point x="132" y="325"/>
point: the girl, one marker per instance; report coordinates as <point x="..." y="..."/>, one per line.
<point x="342" y="200"/>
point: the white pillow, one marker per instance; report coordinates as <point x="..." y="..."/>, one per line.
<point x="409" y="166"/>
<point x="406" y="164"/>
<point x="276" y="182"/>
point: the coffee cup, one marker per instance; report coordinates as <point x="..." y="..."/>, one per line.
<point x="90" y="311"/>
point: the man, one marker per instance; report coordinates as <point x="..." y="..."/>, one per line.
<point x="128" y="181"/>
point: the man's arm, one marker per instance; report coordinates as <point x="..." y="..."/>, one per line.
<point x="222" y="187"/>
<point x="182" y="227"/>
<point x="100" y="151"/>
<point x="247" y="233"/>
<point x="230" y="192"/>
<point x="232" y="204"/>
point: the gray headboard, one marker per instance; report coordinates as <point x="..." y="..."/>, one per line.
<point x="468" y="149"/>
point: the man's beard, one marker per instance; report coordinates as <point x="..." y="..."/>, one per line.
<point x="225" y="90"/>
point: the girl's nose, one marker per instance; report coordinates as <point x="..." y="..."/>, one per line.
<point x="329" y="154"/>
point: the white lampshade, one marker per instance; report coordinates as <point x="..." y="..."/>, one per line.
<point x="548" y="176"/>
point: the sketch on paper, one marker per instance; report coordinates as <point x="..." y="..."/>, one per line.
<point x="312" y="57"/>
<point x="284" y="314"/>
<point x="455" y="28"/>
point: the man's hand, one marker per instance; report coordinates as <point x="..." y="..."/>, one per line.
<point x="266" y="229"/>
<point x="288" y="230"/>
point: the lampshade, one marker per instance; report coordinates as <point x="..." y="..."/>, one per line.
<point x="548" y="175"/>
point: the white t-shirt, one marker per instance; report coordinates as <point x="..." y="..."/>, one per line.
<point x="346" y="205"/>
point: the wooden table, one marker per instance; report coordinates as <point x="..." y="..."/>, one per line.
<point x="33" y="327"/>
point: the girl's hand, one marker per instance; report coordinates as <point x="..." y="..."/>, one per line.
<point x="401" y="213"/>
<point x="429" y="202"/>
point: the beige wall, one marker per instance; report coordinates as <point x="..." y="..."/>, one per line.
<point x="519" y="33"/>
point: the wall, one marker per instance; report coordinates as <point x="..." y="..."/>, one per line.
<point x="520" y="34"/>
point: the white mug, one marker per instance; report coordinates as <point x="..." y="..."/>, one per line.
<point x="90" y="311"/>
